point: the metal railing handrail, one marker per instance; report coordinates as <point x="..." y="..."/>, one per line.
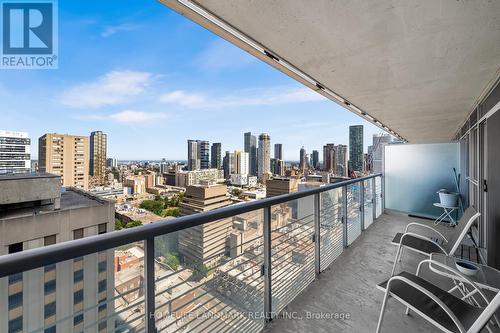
<point x="43" y="256"/>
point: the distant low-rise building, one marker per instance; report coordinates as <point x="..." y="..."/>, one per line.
<point x="196" y="177"/>
<point x="204" y="244"/>
<point x="135" y="184"/>
<point x="243" y="180"/>
<point x="278" y="186"/>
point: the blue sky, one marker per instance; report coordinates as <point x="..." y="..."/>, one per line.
<point x="152" y="79"/>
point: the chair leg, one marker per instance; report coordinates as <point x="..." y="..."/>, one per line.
<point x="396" y="259"/>
<point x="401" y="255"/>
<point x="382" y="311"/>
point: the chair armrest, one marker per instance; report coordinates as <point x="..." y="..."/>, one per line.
<point x="457" y="276"/>
<point x="406" y="234"/>
<point x="426" y="227"/>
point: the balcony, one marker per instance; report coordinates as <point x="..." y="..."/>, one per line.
<point x="240" y="266"/>
<point x="245" y="268"/>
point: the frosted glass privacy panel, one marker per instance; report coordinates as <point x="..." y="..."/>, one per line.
<point x="414" y="173"/>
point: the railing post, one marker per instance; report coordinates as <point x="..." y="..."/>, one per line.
<point x="362" y="204"/>
<point x="267" y="263"/>
<point x="374" y="197"/>
<point x="344" y="215"/>
<point x="149" y="278"/>
<point x="382" y="192"/>
<point x="317" y="234"/>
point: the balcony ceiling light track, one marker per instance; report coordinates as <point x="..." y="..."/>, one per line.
<point x="314" y="84"/>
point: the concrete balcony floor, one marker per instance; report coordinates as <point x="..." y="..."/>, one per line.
<point x="349" y="286"/>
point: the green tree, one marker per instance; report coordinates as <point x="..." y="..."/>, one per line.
<point x="153" y="206"/>
<point x="133" y="224"/>
<point x="171" y="211"/>
<point x="119" y="224"/>
<point x="237" y="192"/>
<point x="172" y="261"/>
<point x="199" y="272"/>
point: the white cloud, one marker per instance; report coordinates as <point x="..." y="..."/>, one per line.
<point x="110" y="30"/>
<point x="255" y="97"/>
<point x="183" y="98"/>
<point x="127" y="117"/>
<point x="130" y="116"/>
<point x="113" y="88"/>
<point x="221" y="54"/>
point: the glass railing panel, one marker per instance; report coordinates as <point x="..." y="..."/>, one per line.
<point x="353" y="212"/>
<point x="99" y="292"/>
<point x="378" y="196"/>
<point x="292" y="257"/>
<point x="209" y="277"/>
<point x="331" y="227"/>
<point x="368" y="202"/>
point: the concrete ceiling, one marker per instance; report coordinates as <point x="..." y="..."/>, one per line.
<point x="419" y="67"/>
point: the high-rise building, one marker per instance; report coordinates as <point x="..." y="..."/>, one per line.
<point x="216" y="156"/>
<point x="241" y="164"/>
<point x="278" y="151"/>
<point x="264" y="156"/>
<point x="14" y="152"/>
<point x="66" y="156"/>
<point x="198" y="154"/>
<point x="251" y="149"/>
<point x="35" y="213"/>
<point x="204" y="152"/>
<point x="280" y="168"/>
<point x="111" y="163"/>
<point x="204" y="244"/>
<point x="329" y="157"/>
<point x="341" y="160"/>
<point x="302" y="163"/>
<point x="378" y="151"/>
<point x="98" y="151"/>
<point x="315" y="159"/>
<point x="356" y="148"/>
<point x="228" y="164"/>
<point x="193" y="155"/>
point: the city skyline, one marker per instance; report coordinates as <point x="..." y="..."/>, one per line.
<point x="150" y="96"/>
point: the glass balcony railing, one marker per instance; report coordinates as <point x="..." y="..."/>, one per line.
<point x="226" y="270"/>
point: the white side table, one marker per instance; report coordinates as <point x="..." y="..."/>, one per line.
<point x="448" y="210"/>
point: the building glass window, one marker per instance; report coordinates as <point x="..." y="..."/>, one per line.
<point x="102" y="285"/>
<point x="15" y="278"/>
<point x="15" y="300"/>
<point x="77" y="319"/>
<point x="50" y="286"/>
<point x="16" y="325"/>
<point x="78" y="276"/>
<point x="16" y="247"/>
<point x="78" y="233"/>
<point x="50" y="329"/>
<point x="102" y="307"/>
<point x="102" y="326"/>
<point x="78" y="296"/>
<point x="102" y="266"/>
<point x="102" y="228"/>
<point x="49" y="240"/>
<point x="49" y="268"/>
<point x="50" y="310"/>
